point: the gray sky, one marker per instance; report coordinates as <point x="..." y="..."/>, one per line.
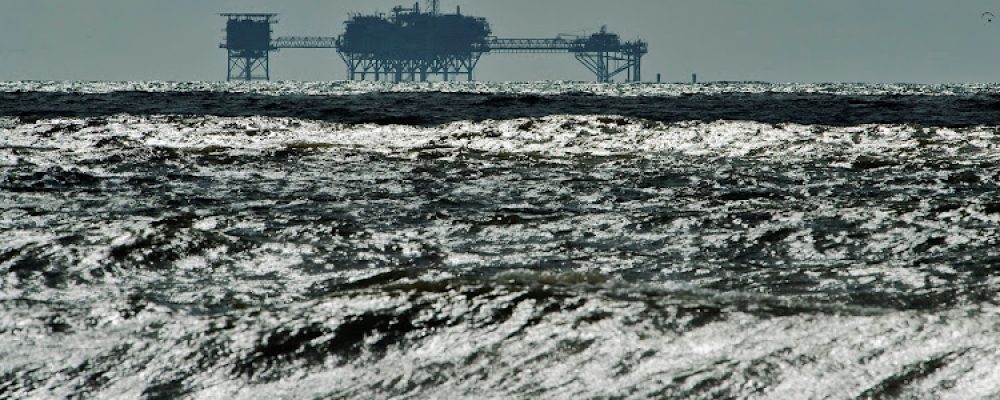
<point x="771" y="40"/>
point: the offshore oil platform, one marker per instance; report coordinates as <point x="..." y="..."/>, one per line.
<point x="414" y="44"/>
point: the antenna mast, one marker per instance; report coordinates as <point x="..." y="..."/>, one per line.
<point x="433" y="7"/>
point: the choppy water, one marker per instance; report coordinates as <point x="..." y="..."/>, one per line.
<point x="534" y="240"/>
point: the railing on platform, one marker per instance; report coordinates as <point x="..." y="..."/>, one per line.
<point x="304" y="42"/>
<point x="533" y="45"/>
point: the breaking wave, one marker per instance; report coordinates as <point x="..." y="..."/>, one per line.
<point x="556" y="135"/>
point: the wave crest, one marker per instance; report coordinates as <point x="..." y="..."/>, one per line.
<point x="557" y="135"/>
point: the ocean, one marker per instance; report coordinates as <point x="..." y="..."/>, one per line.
<point x="559" y="240"/>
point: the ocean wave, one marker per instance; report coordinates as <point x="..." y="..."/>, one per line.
<point x="865" y="146"/>
<point x="553" y="240"/>
<point x="435" y="108"/>
<point x="501" y="341"/>
<point x="900" y="216"/>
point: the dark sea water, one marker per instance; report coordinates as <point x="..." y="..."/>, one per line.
<point x="535" y="240"/>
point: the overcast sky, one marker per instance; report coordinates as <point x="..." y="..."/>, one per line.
<point x="771" y="40"/>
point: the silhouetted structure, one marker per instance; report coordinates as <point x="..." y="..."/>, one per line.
<point x="248" y="43"/>
<point x="603" y="53"/>
<point x="411" y="44"/>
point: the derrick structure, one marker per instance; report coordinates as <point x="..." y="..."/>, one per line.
<point x="248" y="44"/>
<point x="414" y="45"/>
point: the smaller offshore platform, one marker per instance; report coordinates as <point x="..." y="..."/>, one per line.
<point x="414" y="44"/>
<point x="248" y="44"/>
